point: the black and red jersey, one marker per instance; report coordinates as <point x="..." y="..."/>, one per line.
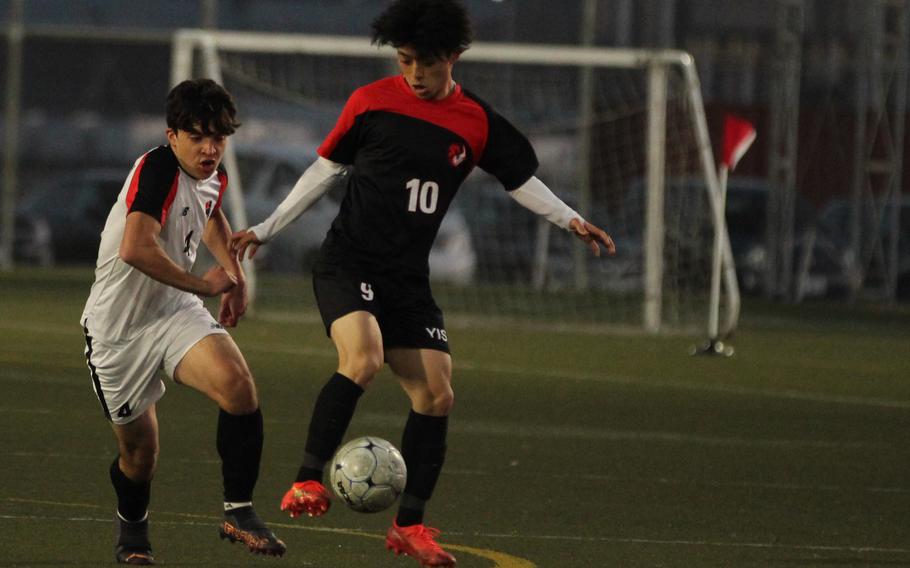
<point x="409" y="158"/>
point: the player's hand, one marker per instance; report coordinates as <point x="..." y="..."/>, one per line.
<point x="592" y="235"/>
<point x="219" y="280"/>
<point x="241" y="240"/>
<point x="233" y="305"/>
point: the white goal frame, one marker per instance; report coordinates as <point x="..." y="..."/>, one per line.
<point x="657" y="63"/>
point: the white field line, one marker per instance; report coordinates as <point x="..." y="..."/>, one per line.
<point x="468" y="365"/>
<point x="527" y="371"/>
<point x="500" y="559"/>
<point x="552" y="432"/>
<point x="855" y="549"/>
<point x="537" y="474"/>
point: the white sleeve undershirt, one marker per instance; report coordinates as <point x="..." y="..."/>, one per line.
<point x="537" y="197"/>
<point x="315" y="181"/>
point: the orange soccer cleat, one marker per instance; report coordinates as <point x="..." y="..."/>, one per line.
<point x="418" y="542"/>
<point x="310" y="497"/>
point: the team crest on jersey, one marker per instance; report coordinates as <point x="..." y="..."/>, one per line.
<point x="457" y="154"/>
<point x="208" y="207"/>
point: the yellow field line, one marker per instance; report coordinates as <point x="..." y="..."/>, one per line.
<point x="499" y="559"/>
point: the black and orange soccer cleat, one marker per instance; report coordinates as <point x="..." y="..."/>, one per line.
<point x="310" y="497"/>
<point x="135" y="557"/>
<point x="133" y="545"/>
<point x="243" y="525"/>
<point x="418" y="542"/>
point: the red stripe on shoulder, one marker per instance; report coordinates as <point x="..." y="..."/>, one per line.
<point x="457" y="113"/>
<point x="134" y="183"/>
<point x="223" y="181"/>
<point x="153" y="183"/>
<point x="356" y="105"/>
<point x="170" y="198"/>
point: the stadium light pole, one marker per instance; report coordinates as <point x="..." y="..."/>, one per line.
<point x="208" y="14"/>
<point x="586" y="94"/>
<point x="15" y="33"/>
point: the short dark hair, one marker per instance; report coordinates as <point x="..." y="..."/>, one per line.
<point x="435" y="28"/>
<point x="201" y="104"/>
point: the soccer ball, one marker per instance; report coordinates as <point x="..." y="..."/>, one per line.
<point x="368" y="473"/>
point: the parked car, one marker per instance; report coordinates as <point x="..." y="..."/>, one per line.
<point x="747" y="218"/>
<point x="32" y="242"/>
<point x="68" y="211"/>
<point x="268" y="175"/>
<point x="688" y="225"/>
<point x="834" y="240"/>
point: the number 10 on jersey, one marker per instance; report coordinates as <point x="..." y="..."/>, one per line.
<point x="423" y="195"/>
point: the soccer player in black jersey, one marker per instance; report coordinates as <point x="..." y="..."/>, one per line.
<point x="403" y="145"/>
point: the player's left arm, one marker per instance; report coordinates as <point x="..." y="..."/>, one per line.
<point x="509" y="156"/>
<point x="217" y="236"/>
<point x="535" y="196"/>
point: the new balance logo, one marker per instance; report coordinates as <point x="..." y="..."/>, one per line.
<point x="124" y="410"/>
<point x="366" y="291"/>
<point x="437" y="333"/>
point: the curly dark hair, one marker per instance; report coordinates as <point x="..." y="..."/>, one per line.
<point x="201" y="104"/>
<point x="435" y="28"/>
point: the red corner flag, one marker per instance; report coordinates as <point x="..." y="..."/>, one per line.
<point x="738" y="136"/>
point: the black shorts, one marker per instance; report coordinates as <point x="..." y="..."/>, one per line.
<point x="403" y="305"/>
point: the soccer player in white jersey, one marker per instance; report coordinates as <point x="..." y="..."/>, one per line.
<point x="144" y="313"/>
<point x="403" y="146"/>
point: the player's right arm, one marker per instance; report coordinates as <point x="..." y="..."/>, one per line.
<point x="140" y="249"/>
<point x="321" y="176"/>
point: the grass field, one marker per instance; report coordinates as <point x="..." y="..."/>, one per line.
<point x="566" y="449"/>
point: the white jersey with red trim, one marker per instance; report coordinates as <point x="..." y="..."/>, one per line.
<point x="123" y="299"/>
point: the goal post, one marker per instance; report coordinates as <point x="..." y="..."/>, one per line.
<point x="633" y="155"/>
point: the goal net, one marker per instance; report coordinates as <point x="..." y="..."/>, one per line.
<point x="620" y="136"/>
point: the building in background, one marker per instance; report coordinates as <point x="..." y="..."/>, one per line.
<point x="94" y="73"/>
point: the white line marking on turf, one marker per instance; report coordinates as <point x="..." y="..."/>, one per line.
<point x="467" y="365"/>
<point x="533" y="432"/>
<point x="464" y="364"/>
<point x="620" y="540"/>
<point x="703" y="387"/>
<point x="683" y="542"/>
<point x="500" y="559"/>
<point x="537" y="474"/>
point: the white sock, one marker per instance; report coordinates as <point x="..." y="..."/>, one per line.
<point x="231" y="506"/>
<point x="144" y="517"/>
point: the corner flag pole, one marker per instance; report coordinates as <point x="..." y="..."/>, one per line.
<point x="739" y="135"/>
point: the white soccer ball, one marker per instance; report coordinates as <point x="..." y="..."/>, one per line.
<point x="368" y="473"/>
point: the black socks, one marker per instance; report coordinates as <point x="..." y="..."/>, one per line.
<point x="332" y="414"/>
<point x="423" y="446"/>
<point x="132" y="496"/>
<point x="239" y="441"/>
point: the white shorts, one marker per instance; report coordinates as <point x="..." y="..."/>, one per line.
<point x="125" y="374"/>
